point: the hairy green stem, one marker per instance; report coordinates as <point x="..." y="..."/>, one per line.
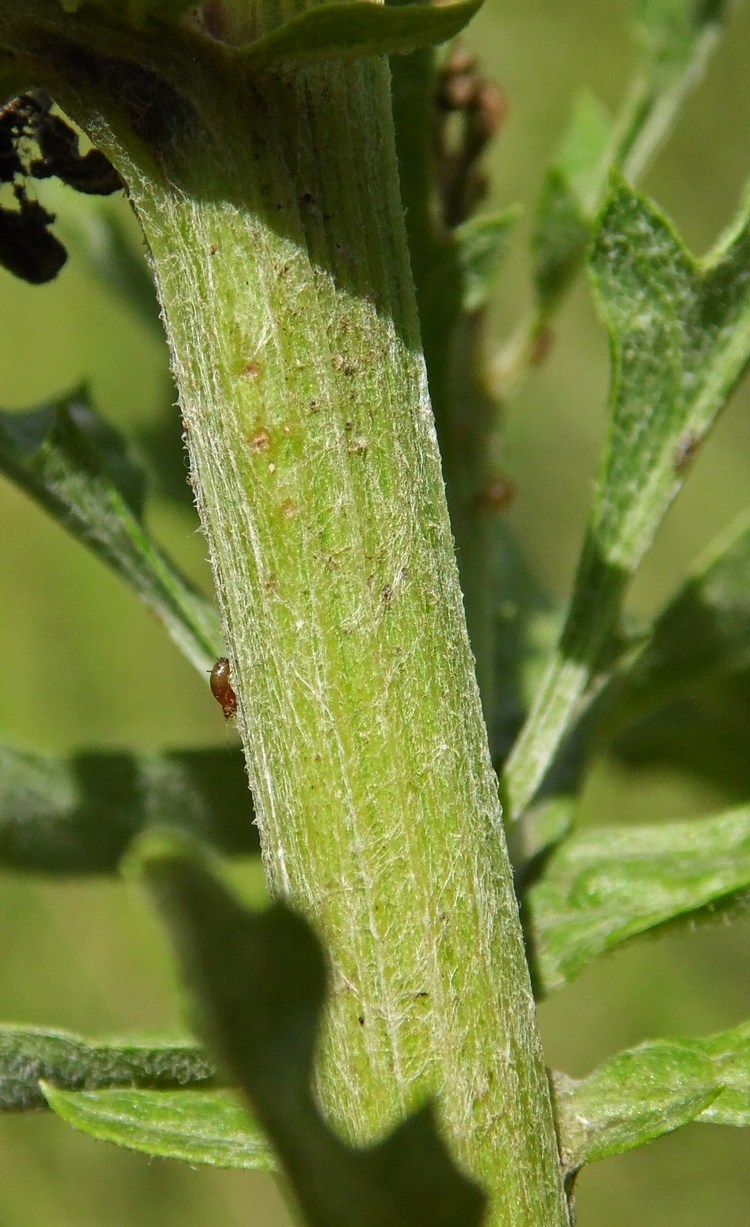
<point x="276" y="235"/>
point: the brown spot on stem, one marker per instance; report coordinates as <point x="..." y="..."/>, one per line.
<point x="260" y="441"/>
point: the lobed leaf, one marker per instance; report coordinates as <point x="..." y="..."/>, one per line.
<point x="680" y="339"/>
<point x="258" y="984"/>
<point x="79" y="814"/>
<point x="603" y="887"/>
<point x="648" y="1091"/>
<point x="679" y="333"/>
<point x="76" y="466"/>
<point x="29" y="1055"/>
<point x="208" y="1127"/>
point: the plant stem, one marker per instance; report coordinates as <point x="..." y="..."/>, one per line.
<point x="276" y="235"/>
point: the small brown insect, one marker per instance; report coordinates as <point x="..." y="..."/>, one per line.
<point x="221" y="687"/>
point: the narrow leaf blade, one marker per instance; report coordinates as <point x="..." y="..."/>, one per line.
<point x="603" y="887"/>
<point x="684" y="701"/>
<point x="703" y="634"/>
<point x="669" y="31"/>
<point x="207" y="1127"/>
<point x="648" y="1091"/>
<point x="353" y="29"/>
<point x="29" y="1055"/>
<point x="675" y="39"/>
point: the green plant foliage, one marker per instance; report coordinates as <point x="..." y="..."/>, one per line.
<point x="481" y="245"/>
<point x="30" y="1055"/>
<point x="207" y="1127"/>
<point x="257" y="985"/>
<point x="703" y="634"/>
<point x="680" y="340"/>
<point x="679" y="332"/>
<point x="571" y="192"/>
<point x="77" y="467"/>
<point x="605" y="886"/>
<point x="651" y="1090"/>
<point x="77" y="815"/>
<point x="684" y="700"/>
<point x="355" y="28"/>
<point x="702" y="736"/>
<point x="327" y="31"/>
<point x="675" y="39"/>
<point x="669" y="31"/>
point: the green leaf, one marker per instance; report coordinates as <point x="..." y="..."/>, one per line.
<point x="670" y="29"/>
<point x="258" y="984"/>
<point x="570" y="196"/>
<point x="481" y="246"/>
<point x="703" y="634"/>
<point x="680" y="339"/>
<point x="29" y="1054"/>
<point x="560" y="239"/>
<point x="354" y="29"/>
<point x="685" y="699"/>
<point x="679" y="333"/>
<point x="605" y="886"/>
<point x="76" y="466"/>
<point x="651" y="1090"/>
<point x="208" y="1127"/>
<point x="78" y="815"/>
<point x="676" y="38"/>
<point x="325" y="31"/>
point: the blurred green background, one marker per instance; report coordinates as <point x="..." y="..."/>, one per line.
<point x="84" y="665"/>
